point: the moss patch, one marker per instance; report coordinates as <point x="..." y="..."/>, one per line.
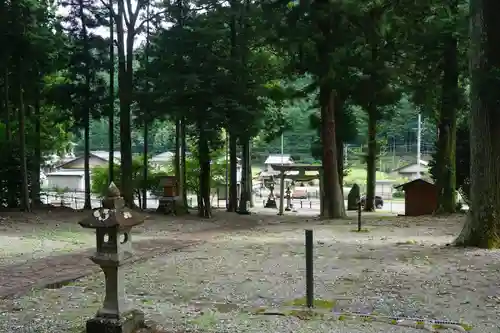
<point x="317" y="303"/>
<point x="364" y="230"/>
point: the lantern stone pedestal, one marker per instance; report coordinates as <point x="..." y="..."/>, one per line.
<point x="113" y="224"/>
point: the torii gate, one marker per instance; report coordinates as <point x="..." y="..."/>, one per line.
<point x="301" y="169"/>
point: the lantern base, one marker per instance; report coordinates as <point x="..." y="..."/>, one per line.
<point x="271" y="203"/>
<point x="127" y="324"/>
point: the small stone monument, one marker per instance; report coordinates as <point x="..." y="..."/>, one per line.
<point x="353" y="197"/>
<point x="113" y="223"/>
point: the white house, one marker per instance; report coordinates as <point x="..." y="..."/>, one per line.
<point x="163" y="158"/>
<point x="72" y="180"/>
<point x="96" y="158"/>
<point x="411" y="170"/>
<point x="277" y="159"/>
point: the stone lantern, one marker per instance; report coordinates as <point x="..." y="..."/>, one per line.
<point x="288" y="199"/>
<point x="113" y="223"/>
<point x="271" y="201"/>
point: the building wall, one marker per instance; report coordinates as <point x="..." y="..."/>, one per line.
<point x="384" y="190"/>
<point x="72" y="182"/>
<point x="420" y="199"/>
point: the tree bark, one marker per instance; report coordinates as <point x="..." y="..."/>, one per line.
<point x="145" y="167"/>
<point x="371" y="159"/>
<point x="332" y="194"/>
<point x="86" y="107"/>
<point x="177" y="155"/>
<point x="111" y="117"/>
<point x="183" y="188"/>
<point x="333" y="201"/>
<point x="25" y="197"/>
<point x="482" y="228"/>
<point x="250" y="180"/>
<point x="233" y="174"/>
<point x="37" y="157"/>
<point x="8" y="130"/>
<point x="244" y="195"/>
<point x="447" y="127"/>
<point x="204" y="206"/>
<point x="125" y="76"/>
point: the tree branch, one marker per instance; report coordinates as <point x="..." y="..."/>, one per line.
<point x="151" y="18"/>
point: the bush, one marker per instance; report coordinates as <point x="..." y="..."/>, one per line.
<point x="100" y="176"/>
<point x="398" y="193"/>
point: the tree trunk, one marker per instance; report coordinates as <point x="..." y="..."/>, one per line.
<point x="145" y="167"/>
<point x="8" y="131"/>
<point x="177" y="156"/>
<point x="204" y="206"/>
<point x="125" y="77"/>
<point x="339" y="110"/>
<point x="146" y="117"/>
<point x="340" y="170"/>
<point x="37" y="157"/>
<point x="482" y="228"/>
<point x="25" y="196"/>
<point x="86" y="109"/>
<point x="111" y="119"/>
<point x="250" y="180"/>
<point x="183" y="188"/>
<point x="333" y="201"/>
<point x="447" y="129"/>
<point x="244" y="195"/>
<point x="371" y="159"/>
<point x="233" y="174"/>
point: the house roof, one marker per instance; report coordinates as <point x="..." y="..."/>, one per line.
<point x="423" y="164"/>
<point x="72" y="173"/>
<point x="278" y="159"/>
<point x="413" y="182"/>
<point x="166" y="156"/>
<point x="101" y="154"/>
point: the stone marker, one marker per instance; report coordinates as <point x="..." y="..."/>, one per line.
<point x="113" y="223"/>
<point x="353" y="197"/>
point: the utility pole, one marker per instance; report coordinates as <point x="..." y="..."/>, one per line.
<point x="282" y="148"/>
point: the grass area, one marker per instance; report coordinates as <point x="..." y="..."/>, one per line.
<point x="358" y="176"/>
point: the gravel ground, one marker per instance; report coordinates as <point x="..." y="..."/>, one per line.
<point x="401" y="266"/>
<point x="24" y="237"/>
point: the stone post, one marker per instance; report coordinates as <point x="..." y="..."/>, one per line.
<point x="113" y="223"/>
<point x="282" y="192"/>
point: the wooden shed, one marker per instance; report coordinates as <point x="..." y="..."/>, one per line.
<point x="420" y="197"/>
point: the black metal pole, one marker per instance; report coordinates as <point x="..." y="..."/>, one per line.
<point x="309" y="269"/>
<point x="359" y="216"/>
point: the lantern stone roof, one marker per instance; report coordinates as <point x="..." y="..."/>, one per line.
<point x="113" y="213"/>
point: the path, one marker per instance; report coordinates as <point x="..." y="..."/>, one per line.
<point x="54" y="271"/>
